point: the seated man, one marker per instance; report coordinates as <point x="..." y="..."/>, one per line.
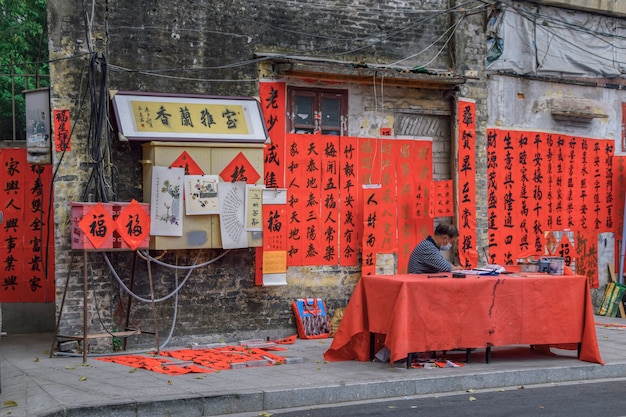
<point x="426" y="256"/>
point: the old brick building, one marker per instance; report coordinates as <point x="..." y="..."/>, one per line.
<point x="396" y="73"/>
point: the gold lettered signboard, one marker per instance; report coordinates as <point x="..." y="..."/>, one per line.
<point x="150" y="116"/>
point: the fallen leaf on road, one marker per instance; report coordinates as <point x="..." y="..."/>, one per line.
<point x="472" y="398"/>
<point x="9" y="403"/>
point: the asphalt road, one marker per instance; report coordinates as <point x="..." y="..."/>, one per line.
<point x="582" y="399"/>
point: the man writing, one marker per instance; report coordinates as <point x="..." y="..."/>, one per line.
<point x="426" y="256"/>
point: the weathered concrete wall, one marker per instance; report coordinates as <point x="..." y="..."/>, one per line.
<point x="208" y="48"/>
<point x="527" y="104"/>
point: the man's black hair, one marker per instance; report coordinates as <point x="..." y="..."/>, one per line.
<point x="445" y="229"/>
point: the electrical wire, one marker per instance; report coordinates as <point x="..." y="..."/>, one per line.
<point x="48" y="61"/>
<point x="190" y="269"/>
<point x="371" y="40"/>
<point x="137" y="297"/>
<point x="384" y="36"/>
<point x="452" y="29"/>
<point x="557" y="22"/>
<point x="177" y="77"/>
<point x="146" y="256"/>
<point x="406" y="28"/>
<point x="352" y="37"/>
<point x="98" y="141"/>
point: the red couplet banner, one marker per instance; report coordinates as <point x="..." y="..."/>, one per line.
<point x="273" y="105"/>
<point x="468" y="252"/>
<point x="26" y="240"/>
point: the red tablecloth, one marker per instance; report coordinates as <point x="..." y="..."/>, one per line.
<point x="420" y="314"/>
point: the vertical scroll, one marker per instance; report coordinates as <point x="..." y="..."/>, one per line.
<point x="466" y="113"/>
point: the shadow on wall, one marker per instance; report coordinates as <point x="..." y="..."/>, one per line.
<point x="23" y="318"/>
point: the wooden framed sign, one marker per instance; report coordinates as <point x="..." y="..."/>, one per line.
<point x="153" y="116"/>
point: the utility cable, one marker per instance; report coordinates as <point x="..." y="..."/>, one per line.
<point x="146" y="255"/>
<point x="190" y="268"/>
<point x="371" y="40"/>
<point x="139" y="298"/>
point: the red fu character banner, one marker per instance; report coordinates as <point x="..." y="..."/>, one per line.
<point x="468" y="252"/>
<point x="274" y="238"/>
<point x="26" y="240"/>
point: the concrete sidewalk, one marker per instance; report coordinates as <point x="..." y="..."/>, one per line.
<point x="35" y="385"/>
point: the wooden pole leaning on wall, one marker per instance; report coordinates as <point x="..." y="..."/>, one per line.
<point x="60" y="313"/>
<point x="84" y="337"/>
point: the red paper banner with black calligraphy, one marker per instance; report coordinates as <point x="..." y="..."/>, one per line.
<point x="274" y="238"/>
<point x="615" y="202"/>
<point x="26" y="240"/>
<point x="369" y="168"/>
<point x="540" y="182"/>
<point x="349" y="201"/>
<point x="329" y="199"/>
<point x="62" y="130"/>
<point x="466" y="122"/>
<point x="372" y="197"/>
<point x="273" y="105"/>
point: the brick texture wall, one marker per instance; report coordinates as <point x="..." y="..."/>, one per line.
<point x="208" y="47"/>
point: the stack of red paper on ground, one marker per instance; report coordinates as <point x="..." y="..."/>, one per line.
<point x="183" y="361"/>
